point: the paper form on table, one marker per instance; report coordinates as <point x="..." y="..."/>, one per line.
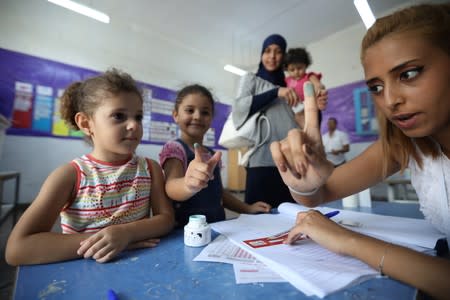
<point x="306" y="265"/>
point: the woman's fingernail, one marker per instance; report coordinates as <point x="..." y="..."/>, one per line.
<point x="308" y="89"/>
<point x="196" y="145"/>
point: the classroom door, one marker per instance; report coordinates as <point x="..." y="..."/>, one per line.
<point x="236" y="173"/>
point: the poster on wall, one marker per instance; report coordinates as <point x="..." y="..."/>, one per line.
<point x="43" y="107"/>
<point x="23" y="102"/>
<point x="353" y="108"/>
<point x="31" y="88"/>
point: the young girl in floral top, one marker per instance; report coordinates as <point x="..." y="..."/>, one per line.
<point x="192" y="171"/>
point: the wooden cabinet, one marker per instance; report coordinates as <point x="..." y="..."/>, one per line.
<point x="236" y="174"/>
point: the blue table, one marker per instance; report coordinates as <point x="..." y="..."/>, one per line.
<point x="168" y="272"/>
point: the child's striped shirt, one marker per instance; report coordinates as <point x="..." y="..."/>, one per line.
<point x="107" y="193"/>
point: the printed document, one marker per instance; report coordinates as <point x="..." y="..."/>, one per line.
<point x="397" y="230"/>
<point x="247" y="269"/>
<point x="309" y="267"/>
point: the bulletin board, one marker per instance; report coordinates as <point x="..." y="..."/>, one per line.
<point x="30" y="88"/>
<point x="353" y="108"/>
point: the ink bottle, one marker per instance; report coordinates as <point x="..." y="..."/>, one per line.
<point x="197" y="232"/>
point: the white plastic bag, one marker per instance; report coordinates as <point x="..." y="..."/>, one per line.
<point x="245" y="136"/>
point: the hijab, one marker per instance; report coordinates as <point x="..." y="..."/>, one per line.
<point x="276" y="77"/>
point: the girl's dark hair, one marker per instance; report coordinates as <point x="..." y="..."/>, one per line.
<point x="297" y="56"/>
<point x="193" y="89"/>
<point x="85" y="96"/>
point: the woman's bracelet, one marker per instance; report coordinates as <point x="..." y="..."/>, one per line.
<point x="380" y="265"/>
<point x="310" y="193"/>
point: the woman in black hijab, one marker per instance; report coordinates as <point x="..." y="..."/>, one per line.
<point x="266" y="92"/>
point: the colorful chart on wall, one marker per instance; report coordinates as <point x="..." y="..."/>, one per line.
<point x="353" y="108"/>
<point x="30" y="88"/>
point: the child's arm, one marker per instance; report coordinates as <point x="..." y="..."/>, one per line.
<point x="110" y="241"/>
<point x="321" y="92"/>
<point x="232" y="203"/>
<point x="316" y="82"/>
<point x="31" y="241"/>
<point x="181" y="186"/>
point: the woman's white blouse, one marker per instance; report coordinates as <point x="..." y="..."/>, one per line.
<point x="432" y="185"/>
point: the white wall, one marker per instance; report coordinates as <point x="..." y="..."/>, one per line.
<point x="39" y="28"/>
<point x="337" y="57"/>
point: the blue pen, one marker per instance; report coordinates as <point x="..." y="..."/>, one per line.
<point x="112" y="295"/>
<point x="274" y="211"/>
<point x="331" y="214"/>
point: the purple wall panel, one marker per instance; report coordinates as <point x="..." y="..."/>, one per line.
<point x="341" y="106"/>
<point x="34" y="71"/>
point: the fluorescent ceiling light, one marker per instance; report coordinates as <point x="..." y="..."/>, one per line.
<point x="82" y="9"/>
<point x="365" y="12"/>
<point x="234" y="70"/>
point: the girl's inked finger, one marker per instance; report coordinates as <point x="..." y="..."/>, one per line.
<point x="197" y="152"/>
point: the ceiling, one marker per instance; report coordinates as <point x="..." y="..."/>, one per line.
<point x="171" y="43"/>
<point x="232" y="31"/>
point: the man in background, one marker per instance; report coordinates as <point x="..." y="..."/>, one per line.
<point x="336" y="143"/>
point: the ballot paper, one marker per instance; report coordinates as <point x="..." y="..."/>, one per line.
<point x="255" y="272"/>
<point x="398" y="230"/>
<point x="224" y="251"/>
<point x="247" y="268"/>
<point x="309" y="267"/>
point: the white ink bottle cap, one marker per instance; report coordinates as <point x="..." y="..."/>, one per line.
<point x="197" y="232"/>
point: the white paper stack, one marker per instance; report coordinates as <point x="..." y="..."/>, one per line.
<point x="311" y="268"/>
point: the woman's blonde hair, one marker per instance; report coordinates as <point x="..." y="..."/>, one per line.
<point x="428" y="21"/>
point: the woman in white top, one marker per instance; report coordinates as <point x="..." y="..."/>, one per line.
<point x="336" y="143"/>
<point x="406" y="60"/>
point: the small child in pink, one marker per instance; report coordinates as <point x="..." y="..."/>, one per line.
<point x="297" y="60"/>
